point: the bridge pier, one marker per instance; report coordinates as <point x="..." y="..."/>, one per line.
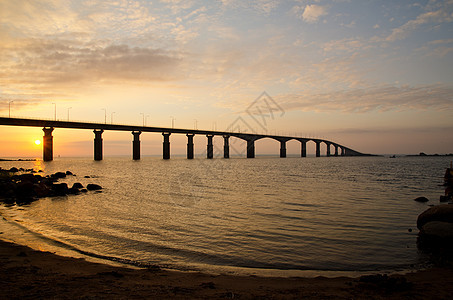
<point x="303" y="150"/>
<point x="98" y="144"/>
<point x="210" y="146"/>
<point x="166" y="145"/>
<point x="250" y="148"/>
<point x="342" y="151"/>
<point x="190" y="145"/>
<point x="136" y="145"/>
<point x="47" y="144"/>
<point x="328" y="149"/>
<point x="226" y="146"/>
<point x="282" y="148"/>
<point x="318" y="148"/>
<point x="336" y="150"/>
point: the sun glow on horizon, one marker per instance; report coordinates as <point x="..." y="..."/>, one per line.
<point x="38" y="142"/>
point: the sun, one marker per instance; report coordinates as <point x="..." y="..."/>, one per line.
<point x="38" y="142"/>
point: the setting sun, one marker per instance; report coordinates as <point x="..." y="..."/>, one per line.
<point x="38" y="142"/>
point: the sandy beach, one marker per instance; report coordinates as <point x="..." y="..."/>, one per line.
<point x="29" y="274"/>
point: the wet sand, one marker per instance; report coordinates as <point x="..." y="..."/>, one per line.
<point x="31" y="274"/>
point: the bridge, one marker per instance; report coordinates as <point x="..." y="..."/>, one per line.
<point x="98" y="128"/>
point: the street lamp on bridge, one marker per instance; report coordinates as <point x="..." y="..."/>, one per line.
<point x="55" y="111"/>
<point x="105" y="115"/>
<point x="9" y="108"/>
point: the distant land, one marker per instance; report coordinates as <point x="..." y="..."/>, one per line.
<point x="18" y="159"/>
<point x="424" y="154"/>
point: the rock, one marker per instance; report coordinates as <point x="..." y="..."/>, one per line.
<point x="83" y="190"/>
<point x="60" y="189"/>
<point x="77" y="185"/>
<point x="438" y="229"/>
<point x="14" y="170"/>
<point x="421" y="199"/>
<point x="42" y="190"/>
<point x="442" y="213"/>
<point x="69" y="173"/>
<point x="444" y="198"/>
<point x="27" y="178"/>
<point x="58" y="175"/>
<point x="93" y="187"/>
<point x="73" y="191"/>
<point x="25" y="190"/>
<point x="86" y="176"/>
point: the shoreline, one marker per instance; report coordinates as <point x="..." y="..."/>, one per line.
<point x="28" y="273"/>
<point x="14" y="232"/>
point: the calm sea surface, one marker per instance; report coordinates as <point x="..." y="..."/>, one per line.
<point x="241" y="215"/>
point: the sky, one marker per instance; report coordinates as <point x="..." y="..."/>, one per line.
<point x="376" y="76"/>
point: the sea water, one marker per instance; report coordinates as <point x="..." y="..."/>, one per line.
<point x="240" y="215"/>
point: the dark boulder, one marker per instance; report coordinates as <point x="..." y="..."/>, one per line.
<point x="42" y="190"/>
<point x="60" y="189"/>
<point x="77" y="185"/>
<point x="25" y="190"/>
<point x="27" y="178"/>
<point x="441" y="213"/>
<point x="73" y="191"/>
<point x="421" y="199"/>
<point x="58" y="175"/>
<point x="14" y="170"/>
<point x="436" y="228"/>
<point x="93" y="187"/>
<point x="69" y="173"/>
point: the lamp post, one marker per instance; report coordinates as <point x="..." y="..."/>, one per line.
<point x="68" y="112"/>
<point x="9" y="108"/>
<point x="172" y="122"/>
<point x="55" y="111"/>
<point x="105" y="115"/>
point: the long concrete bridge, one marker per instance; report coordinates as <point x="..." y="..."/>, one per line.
<point x="98" y="128"/>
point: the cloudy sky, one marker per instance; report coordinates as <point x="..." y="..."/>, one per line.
<point x="374" y="75"/>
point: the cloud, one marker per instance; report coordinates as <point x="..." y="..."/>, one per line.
<point x="37" y="69"/>
<point x="381" y="98"/>
<point x="56" y="60"/>
<point x="439" y="16"/>
<point x="313" y="12"/>
<point x="264" y="7"/>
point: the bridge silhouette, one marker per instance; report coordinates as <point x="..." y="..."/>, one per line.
<point x="98" y="128"/>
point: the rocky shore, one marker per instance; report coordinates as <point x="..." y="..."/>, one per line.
<point x="22" y="186"/>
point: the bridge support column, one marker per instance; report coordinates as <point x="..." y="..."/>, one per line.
<point x="342" y="151"/>
<point x="210" y="147"/>
<point x="190" y="145"/>
<point x="336" y="150"/>
<point x="47" y="144"/>
<point x="98" y="144"/>
<point x="328" y="149"/>
<point x="250" y="148"/>
<point x="226" y="146"/>
<point x="166" y="145"/>
<point x="136" y="145"/>
<point x="282" y="148"/>
<point x="318" y="149"/>
<point x="303" y="149"/>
